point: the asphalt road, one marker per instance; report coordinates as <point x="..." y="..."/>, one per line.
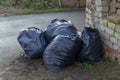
<point x="12" y="25"/>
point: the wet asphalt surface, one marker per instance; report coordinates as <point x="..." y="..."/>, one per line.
<point x="11" y="26"/>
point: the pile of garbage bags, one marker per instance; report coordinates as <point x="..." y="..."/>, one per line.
<point x="61" y="45"/>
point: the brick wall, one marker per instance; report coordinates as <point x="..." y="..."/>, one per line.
<point x="110" y="31"/>
<point x="118" y="7"/>
<point x="105" y="16"/>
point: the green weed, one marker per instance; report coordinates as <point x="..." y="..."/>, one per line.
<point x="68" y="78"/>
<point x="87" y="65"/>
<point x="3" y="2"/>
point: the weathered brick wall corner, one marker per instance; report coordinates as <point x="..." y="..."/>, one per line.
<point x="105" y="16"/>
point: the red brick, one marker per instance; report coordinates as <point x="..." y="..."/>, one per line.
<point x="111" y="52"/>
<point x="118" y="56"/>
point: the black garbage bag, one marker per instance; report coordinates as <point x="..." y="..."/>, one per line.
<point x="58" y="27"/>
<point x="92" y="47"/>
<point x="61" y="52"/>
<point x="33" y="42"/>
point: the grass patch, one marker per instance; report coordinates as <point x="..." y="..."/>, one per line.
<point x="19" y="11"/>
<point x="87" y="65"/>
<point x="3" y="2"/>
<point x="68" y="78"/>
<point x="32" y="11"/>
